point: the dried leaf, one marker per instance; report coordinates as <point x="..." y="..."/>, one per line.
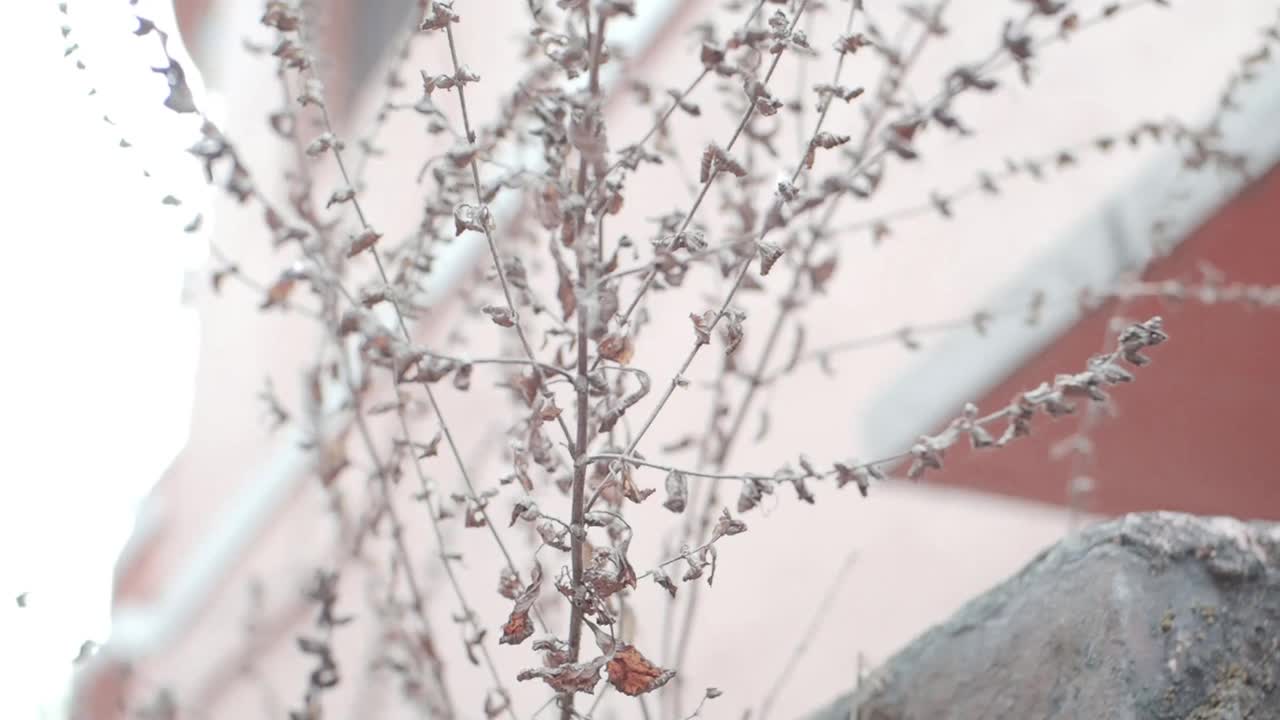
<point x="343" y="194"/>
<point x="664" y="580"/>
<point x="180" y="99"/>
<point x="632" y="674"/>
<point x="278" y="293"/>
<point x="819" y="274"/>
<point x="733" y="329"/>
<point x="769" y="254"/>
<point x="677" y="492"/>
<point x="851" y="43"/>
<point x="509" y="585"/>
<point x="519" y="626"/>
<point x="569" y="677"/>
<point x="616" y="347"/>
<point x="363" y="241"/>
<point x="500" y="315"/>
<point x="727" y="525"/>
<point x="702" y="325"/>
<point x="462" y="378"/>
<point x="716" y="160"/>
<point x="631" y="491"/>
<point x="564" y="289"/>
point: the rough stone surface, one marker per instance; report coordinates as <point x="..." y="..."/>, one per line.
<point x="1157" y="615"/>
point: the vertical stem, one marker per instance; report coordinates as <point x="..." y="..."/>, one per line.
<point x="577" y="528"/>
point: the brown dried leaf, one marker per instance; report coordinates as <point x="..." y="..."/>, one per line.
<point x="715" y="160"/>
<point x="278" y="293"/>
<point x="632" y="491"/>
<point x="519" y="626"/>
<point x="618" y="348"/>
<point x="569" y="677"/>
<point x="564" y="292"/>
<point x="363" y="241"/>
<point x="632" y="674"/>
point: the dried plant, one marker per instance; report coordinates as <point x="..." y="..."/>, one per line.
<point x="563" y="312"/>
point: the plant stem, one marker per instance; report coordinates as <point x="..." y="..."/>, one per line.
<point x="582" y="248"/>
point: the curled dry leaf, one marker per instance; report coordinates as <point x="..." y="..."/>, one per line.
<point x="616" y="412"/>
<point x="569" y="677"/>
<point x="853" y="472"/>
<point x="609" y="573"/>
<point x="753" y="490"/>
<point x="851" y="43"/>
<point x="554" y="534"/>
<point x="564" y="288"/>
<point x="509" y="585"/>
<point x="715" y="160"/>
<point x="769" y="254"/>
<point x="664" y="580"/>
<point x="519" y="626"/>
<point x="632" y="674"/>
<point x="711" y="55"/>
<point x="702" y="325"/>
<point x="343" y="194"/>
<point x="470" y="217"/>
<point x="366" y="239"/>
<point x="524" y="509"/>
<point x="278" y="293"/>
<point x="727" y="525"/>
<point x="500" y="315"/>
<point x="677" y="492"/>
<point x="462" y="377"/>
<point x="733" y="330"/>
<point x="709" y="557"/>
<point x="617" y="347"/>
<point x="630" y="490"/>
<point x="555" y="652"/>
<point x="438" y="17"/>
<point x="824" y="140"/>
<point x="321" y="144"/>
<point x="604" y="640"/>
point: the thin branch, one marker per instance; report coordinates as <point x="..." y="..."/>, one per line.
<point x="810" y="632"/>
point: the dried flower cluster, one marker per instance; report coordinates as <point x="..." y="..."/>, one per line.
<point x="572" y="313"/>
